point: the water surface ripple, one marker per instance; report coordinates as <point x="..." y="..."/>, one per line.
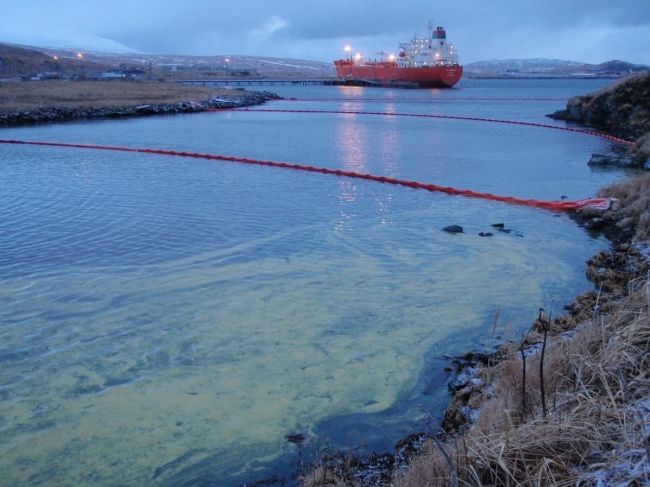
<point x="164" y="319"/>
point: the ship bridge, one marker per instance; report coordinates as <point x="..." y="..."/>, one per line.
<point x="427" y="51"/>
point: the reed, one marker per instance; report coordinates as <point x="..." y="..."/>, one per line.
<point x="595" y="430"/>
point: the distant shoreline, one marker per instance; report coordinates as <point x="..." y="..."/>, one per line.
<point x="524" y="77"/>
<point x="35" y="102"/>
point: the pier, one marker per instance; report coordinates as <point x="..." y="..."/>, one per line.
<point x="296" y="82"/>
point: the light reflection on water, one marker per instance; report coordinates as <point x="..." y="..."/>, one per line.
<point x="162" y="319"/>
<point x="352" y="144"/>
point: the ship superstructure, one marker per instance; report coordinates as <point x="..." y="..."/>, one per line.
<point x="432" y="50"/>
<point x="430" y="61"/>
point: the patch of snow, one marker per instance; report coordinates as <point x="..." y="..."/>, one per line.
<point x="644" y="249"/>
<point x="568" y="335"/>
<point x="478" y="382"/>
<point x="530" y="351"/>
<point x="645" y="404"/>
<point x="471" y="414"/>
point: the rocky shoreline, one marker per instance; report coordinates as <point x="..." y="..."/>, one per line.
<point x="66" y="114"/>
<point x="621" y="109"/>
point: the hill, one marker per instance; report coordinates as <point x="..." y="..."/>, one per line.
<point x="500" y="66"/>
<point x="103" y="54"/>
<point x="549" y="67"/>
<point x="28" y="61"/>
<point x="70" y="41"/>
<point x="18" y="61"/>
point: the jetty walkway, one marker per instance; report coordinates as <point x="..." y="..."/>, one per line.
<point x="295" y="81"/>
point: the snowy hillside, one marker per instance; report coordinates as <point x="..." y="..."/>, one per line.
<point x="537" y="65"/>
<point x="69" y="41"/>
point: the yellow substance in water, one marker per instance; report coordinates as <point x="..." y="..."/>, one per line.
<point x="143" y="372"/>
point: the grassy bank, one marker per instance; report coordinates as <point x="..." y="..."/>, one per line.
<point x="39" y="95"/>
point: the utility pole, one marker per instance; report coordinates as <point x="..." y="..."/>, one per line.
<point x="79" y="74"/>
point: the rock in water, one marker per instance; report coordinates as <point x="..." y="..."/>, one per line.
<point x="612" y="159"/>
<point x="453" y="229"/>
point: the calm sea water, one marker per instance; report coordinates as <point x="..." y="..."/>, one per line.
<point x="169" y="321"/>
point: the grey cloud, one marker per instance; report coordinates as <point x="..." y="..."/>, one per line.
<point x="500" y="28"/>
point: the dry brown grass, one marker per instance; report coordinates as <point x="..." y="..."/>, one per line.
<point x="614" y="85"/>
<point x="33" y="95"/>
<point x="633" y="209"/>
<point x="322" y="476"/>
<point x="598" y="386"/>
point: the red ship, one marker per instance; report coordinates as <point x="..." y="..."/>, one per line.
<point x="429" y="61"/>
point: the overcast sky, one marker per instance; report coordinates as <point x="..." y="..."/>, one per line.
<point x="591" y="31"/>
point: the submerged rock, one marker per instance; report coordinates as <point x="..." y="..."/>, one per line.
<point x="614" y="159"/>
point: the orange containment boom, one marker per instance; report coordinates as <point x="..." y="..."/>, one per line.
<point x="425" y="115"/>
<point x="597" y="203"/>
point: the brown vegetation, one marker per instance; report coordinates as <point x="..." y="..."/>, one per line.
<point x="633" y="205"/>
<point x="621" y="108"/>
<point x="32" y="95"/>
<point x="596" y="427"/>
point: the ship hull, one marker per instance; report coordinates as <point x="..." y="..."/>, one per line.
<point x="425" y="77"/>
